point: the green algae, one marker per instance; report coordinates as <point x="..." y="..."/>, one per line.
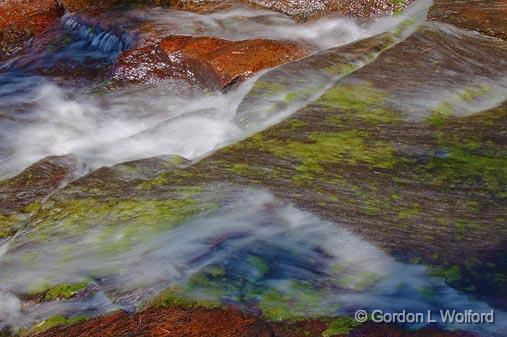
<point x="473" y="92"/>
<point x="302" y="94"/>
<point x="269" y="88"/>
<point x="213" y="286"/>
<point x="349" y="147"/>
<point x="52" y="322"/>
<point x="361" y="102"/>
<point x="467" y="165"/>
<point x="451" y="274"/>
<point x="112" y="225"/>
<point x="340" y="69"/>
<point x="64" y="290"/>
<point x="440" y="114"/>
<point x="340" y="326"/>
<point x="9" y="224"/>
<point x="176" y="296"/>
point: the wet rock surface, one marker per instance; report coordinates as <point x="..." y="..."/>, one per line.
<point x="428" y="205"/>
<point x="486" y="17"/>
<point x="210" y="62"/>
<point x="21" y="196"/>
<point x="311" y="9"/>
<point x="181" y="321"/>
<point x="21" y="19"/>
<point x="200" y="6"/>
<point x="369" y="175"/>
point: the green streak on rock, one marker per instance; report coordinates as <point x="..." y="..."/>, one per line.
<point x="361" y="102"/>
<point x="340" y="326"/>
<point x="52" y="322"/>
<point x="65" y="290"/>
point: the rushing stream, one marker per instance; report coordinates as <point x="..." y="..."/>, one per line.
<point x="247" y="251"/>
<point x="106" y="128"/>
<point x="243" y="246"/>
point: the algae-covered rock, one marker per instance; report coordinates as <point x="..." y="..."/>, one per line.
<point x="368" y="155"/>
<point x="22" y="195"/>
<point x="205" y="322"/>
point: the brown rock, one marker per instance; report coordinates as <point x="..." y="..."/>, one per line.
<point x="210" y="62"/>
<point x="23" y="194"/>
<point x="201" y="322"/>
<point x="22" y="19"/>
<point x="488" y="17"/>
<point x="200" y="6"/>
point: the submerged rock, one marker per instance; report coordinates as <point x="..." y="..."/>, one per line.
<point x="485" y="16"/>
<point x="210" y="62"/>
<point x="22" y="195"/>
<point x="23" y="19"/>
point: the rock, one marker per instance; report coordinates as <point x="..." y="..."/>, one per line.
<point x="210" y="62"/>
<point x="22" y="195"/>
<point x="202" y="322"/>
<point x="202" y="6"/>
<point x="406" y="164"/>
<point x="311" y="9"/>
<point x="488" y="17"/>
<point x="23" y="19"/>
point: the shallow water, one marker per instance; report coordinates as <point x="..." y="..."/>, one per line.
<point x="253" y="251"/>
<point x="266" y="253"/>
<point x="40" y="117"/>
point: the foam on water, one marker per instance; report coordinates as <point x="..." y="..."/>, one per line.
<point x="242" y="23"/>
<point x="259" y="247"/>
<point x="128" y="124"/>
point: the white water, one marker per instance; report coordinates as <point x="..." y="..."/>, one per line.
<point x="344" y="271"/>
<point x="39" y="118"/>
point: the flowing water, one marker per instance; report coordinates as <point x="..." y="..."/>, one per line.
<point x="247" y="251"/>
<point x="250" y="247"/>
<point x="40" y="118"/>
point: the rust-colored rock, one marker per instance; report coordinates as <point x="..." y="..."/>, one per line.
<point x="210" y="62"/>
<point x="201" y="322"/>
<point x="311" y="9"/>
<point x="22" y="19"/>
<point x="200" y="6"/>
<point x="488" y="17"/>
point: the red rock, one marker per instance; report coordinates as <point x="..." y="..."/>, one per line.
<point x="210" y="62"/>
<point x="22" y="19"/>
<point x="201" y="322"/>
